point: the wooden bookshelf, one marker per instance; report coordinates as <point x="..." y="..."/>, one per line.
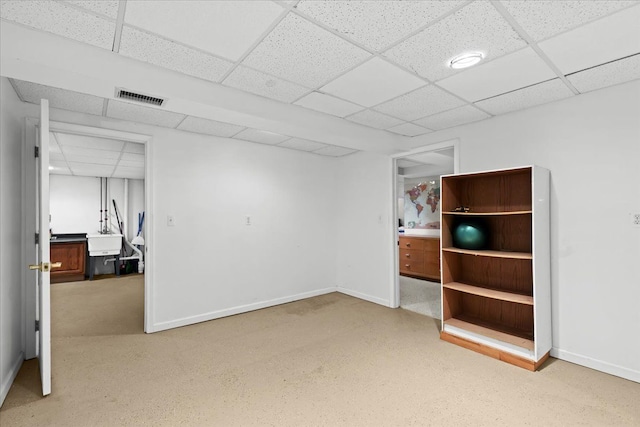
<point x="496" y="300"/>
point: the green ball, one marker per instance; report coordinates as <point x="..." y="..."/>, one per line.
<point x="470" y="235"/>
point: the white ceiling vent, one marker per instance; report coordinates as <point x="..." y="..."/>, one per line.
<point x="139" y="97"/>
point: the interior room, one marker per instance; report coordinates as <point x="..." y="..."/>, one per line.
<point x="418" y="194"/>
<point x="96" y="190"/>
<point x="277" y="137"/>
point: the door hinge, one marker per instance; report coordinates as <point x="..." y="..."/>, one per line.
<point x="36" y="151"/>
<point x="37" y="325"/>
<point x="37" y="240"/>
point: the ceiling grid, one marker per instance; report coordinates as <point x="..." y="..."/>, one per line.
<point x="381" y="65"/>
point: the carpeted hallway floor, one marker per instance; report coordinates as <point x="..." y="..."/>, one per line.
<point x="329" y="360"/>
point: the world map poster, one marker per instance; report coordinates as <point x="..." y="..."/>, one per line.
<point x="422" y="204"/>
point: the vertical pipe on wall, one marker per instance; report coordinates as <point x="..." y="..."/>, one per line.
<point x="125" y="213"/>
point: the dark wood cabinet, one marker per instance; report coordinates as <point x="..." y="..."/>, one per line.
<point x="72" y="255"/>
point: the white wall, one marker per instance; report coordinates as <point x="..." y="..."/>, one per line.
<point x="591" y="145"/>
<point x="365" y="242"/>
<point x="210" y="264"/>
<point x="11" y="329"/>
<point x="75" y="202"/>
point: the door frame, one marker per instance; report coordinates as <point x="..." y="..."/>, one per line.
<point x="394" y="291"/>
<point x="29" y="295"/>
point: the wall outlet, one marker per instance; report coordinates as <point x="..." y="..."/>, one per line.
<point x="171" y="221"/>
<point x="635" y="219"/>
<point x="247" y="220"/>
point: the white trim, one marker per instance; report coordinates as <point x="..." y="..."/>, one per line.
<point x="185" y="321"/>
<point x="365" y="297"/>
<point x="598" y="365"/>
<point x="394" y="293"/>
<point x="149" y="237"/>
<point x="13" y="372"/>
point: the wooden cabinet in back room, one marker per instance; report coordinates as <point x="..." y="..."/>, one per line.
<point x="419" y="256"/>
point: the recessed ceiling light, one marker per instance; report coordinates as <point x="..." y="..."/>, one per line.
<point x="465" y="60"/>
<point x="51" y="168"/>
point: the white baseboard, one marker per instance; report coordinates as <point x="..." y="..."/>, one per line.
<point x="598" y="365"/>
<point x="162" y="326"/>
<point x="365" y="297"/>
<point x="6" y="382"/>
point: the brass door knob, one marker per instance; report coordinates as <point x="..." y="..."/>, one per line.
<point x="45" y="266"/>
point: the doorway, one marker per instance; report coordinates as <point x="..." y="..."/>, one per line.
<point x="416" y="200"/>
<point x="82" y="162"/>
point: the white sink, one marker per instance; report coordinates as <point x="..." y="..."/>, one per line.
<point x="104" y="244"/>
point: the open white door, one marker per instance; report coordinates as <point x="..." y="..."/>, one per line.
<point x="43" y="263"/>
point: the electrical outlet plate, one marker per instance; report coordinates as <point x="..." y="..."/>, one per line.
<point x="635" y="219"/>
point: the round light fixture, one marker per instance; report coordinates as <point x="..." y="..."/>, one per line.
<point x="466" y="60"/>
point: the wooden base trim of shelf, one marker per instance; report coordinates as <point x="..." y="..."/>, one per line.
<point x="504" y="356"/>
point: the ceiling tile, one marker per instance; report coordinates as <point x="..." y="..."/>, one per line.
<point x="616" y="72"/>
<point x="61" y="19"/>
<point x="87" y="152"/>
<point x="334" y="151"/>
<point x="253" y="81"/>
<point x="89" y="160"/>
<point x="137" y="113"/>
<point x="108" y="8"/>
<point x="88" y="142"/>
<point x="133" y="157"/>
<point x="302" y="52"/>
<point x="62" y="164"/>
<point x="58" y="98"/>
<point x="605" y="40"/>
<point x="404" y="163"/>
<point x="261" y="136"/>
<point x="209" y="127"/>
<point x="373" y="82"/>
<point x="541" y="93"/>
<point x="155" y="50"/>
<point x="55" y="155"/>
<point x="476" y="27"/>
<point x="131" y="164"/>
<point x="302" y="144"/>
<point x="455" y="117"/>
<point x="82" y="169"/>
<point x="328" y="104"/>
<point x="419" y="103"/>
<point x="376" y="24"/>
<point x="542" y="19"/>
<point x="53" y="144"/>
<point x="510" y="72"/>
<point x="374" y="119"/>
<point x="225" y="28"/>
<point x="128" y="172"/>
<point x="409" y="129"/>
<point x="132" y="147"/>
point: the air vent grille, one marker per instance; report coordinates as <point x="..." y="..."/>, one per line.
<point x="138" y="97"/>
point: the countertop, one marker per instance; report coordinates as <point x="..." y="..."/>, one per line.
<point x="68" y="238"/>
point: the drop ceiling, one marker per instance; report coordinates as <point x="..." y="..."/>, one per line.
<point x="378" y="65"/>
<point x="80" y="155"/>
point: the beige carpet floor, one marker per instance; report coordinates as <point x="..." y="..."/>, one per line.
<point x="329" y="360"/>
